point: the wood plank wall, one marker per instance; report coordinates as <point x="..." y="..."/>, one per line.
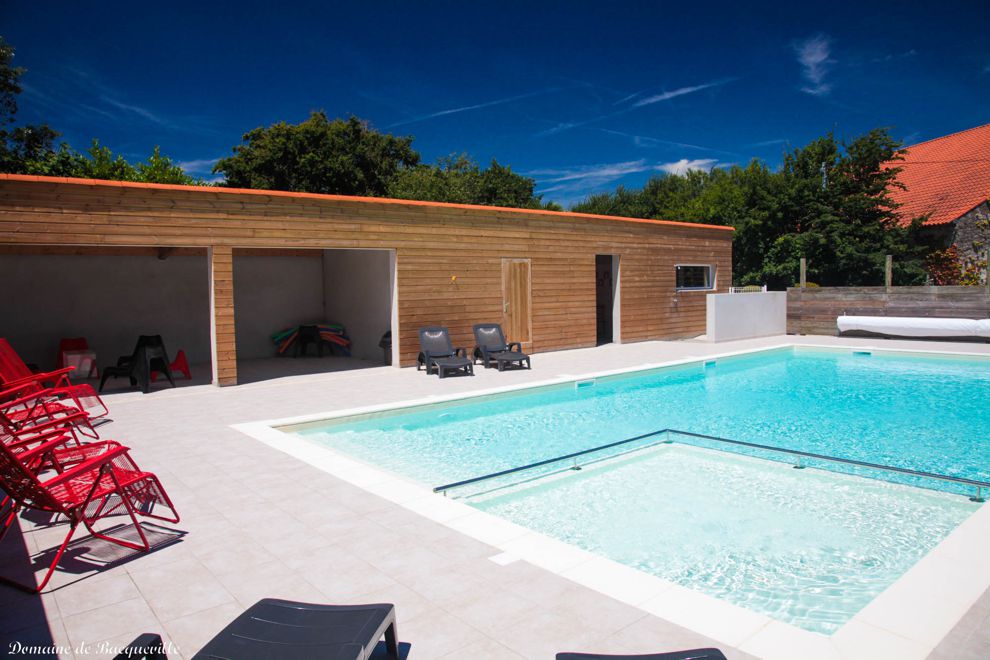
<point x="432" y="243"/>
<point x="813" y="311"/>
<point x="222" y="315"/>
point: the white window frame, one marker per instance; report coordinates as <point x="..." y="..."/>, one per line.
<point x="712" y="272"/>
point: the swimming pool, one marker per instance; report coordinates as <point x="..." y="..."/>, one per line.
<point x="806" y="547"/>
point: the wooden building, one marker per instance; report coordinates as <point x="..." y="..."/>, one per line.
<point x="223" y="267"/>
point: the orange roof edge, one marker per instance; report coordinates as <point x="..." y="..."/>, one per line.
<point x="347" y="198"/>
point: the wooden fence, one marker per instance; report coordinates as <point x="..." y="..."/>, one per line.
<point x="813" y="311"/>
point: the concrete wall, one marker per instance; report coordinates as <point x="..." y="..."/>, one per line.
<point x="359" y="295"/>
<point x="744" y="315"/>
<point x="813" y="311"/>
<point x="110" y="300"/>
<point x="272" y="293"/>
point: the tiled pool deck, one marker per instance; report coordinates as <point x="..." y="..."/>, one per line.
<point x="259" y="523"/>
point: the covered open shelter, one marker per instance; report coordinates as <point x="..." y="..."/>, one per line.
<point x="217" y="271"/>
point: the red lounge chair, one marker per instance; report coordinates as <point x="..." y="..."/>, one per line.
<point x="22" y="411"/>
<point x="68" y="451"/>
<point x="14" y="373"/>
<point x="106" y="485"/>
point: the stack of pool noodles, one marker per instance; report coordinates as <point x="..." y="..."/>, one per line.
<point x="333" y="333"/>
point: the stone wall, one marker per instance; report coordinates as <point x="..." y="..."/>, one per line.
<point x="972" y="234"/>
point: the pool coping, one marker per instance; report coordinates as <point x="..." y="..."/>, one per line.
<point x="908" y="619"/>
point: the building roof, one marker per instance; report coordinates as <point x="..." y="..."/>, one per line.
<point x="945" y="177"/>
<point x="563" y="215"/>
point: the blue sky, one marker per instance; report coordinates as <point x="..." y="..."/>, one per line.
<point x="580" y="96"/>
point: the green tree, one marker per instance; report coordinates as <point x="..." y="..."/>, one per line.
<point x="344" y="157"/>
<point x="459" y="180"/>
<point x="828" y="202"/>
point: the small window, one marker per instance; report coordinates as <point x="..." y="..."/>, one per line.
<point x="695" y="277"/>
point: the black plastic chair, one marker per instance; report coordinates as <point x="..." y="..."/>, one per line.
<point x="149" y="355"/>
<point x="492" y="347"/>
<point x="437" y="352"/>
<point x="273" y="629"/>
<point x="310" y="334"/>
<point x="692" y="654"/>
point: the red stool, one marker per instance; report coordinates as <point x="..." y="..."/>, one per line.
<point x="70" y="344"/>
<point x="180" y="363"/>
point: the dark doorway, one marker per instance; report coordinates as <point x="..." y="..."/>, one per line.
<point x="606" y="281"/>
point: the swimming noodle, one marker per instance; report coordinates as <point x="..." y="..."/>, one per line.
<point x="333" y="333"/>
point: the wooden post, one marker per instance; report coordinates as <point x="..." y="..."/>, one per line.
<point x="804" y="272"/>
<point x="888" y="272"/>
<point x="222" y="336"/>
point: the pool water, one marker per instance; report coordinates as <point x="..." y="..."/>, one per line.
<point x="804" y="550"/>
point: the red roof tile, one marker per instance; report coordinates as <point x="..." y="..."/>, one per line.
<point x="945" y="177"/>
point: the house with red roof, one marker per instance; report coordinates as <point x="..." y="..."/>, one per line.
<point x="947" y="182"/>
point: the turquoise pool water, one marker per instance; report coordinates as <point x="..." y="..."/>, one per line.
<point x="806" y="555"/>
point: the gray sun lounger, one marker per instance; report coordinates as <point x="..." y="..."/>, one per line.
<point x="437" y="352"/>
<point x="693" y="654"/>
<point x="273" y="629"/>
<point x="492" y="347"/>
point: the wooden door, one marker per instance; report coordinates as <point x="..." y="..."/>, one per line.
<point x="516" y="300"/>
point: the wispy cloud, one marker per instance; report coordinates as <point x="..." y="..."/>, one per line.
<point x="571" y="184"/>
<point x="890" y="57"/>
<point x="681" y="91"/>
<point x="588" y="175"/>
<point x="476" y="106"/>
<point x="683" y="166"/>
<point x="814" y="56"/>
<point x="198" y="166"/>
<point x="768" y="143"/>
<point x="656" y="98"/>
<point x="647" y="141"/>
<point x="135" y="109"/>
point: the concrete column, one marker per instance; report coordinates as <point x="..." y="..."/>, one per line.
<point x="888" y="272"/>
<point x="616" y="299"/>
<point x="804" y="272"/>
<point x="222" y="335"/>
<point x="393" y="279"/>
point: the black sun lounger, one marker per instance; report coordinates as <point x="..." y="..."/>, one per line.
<point x="436" y="352"/>
<point x="273" y="629"/>
<point x="492" y="347"/>
<point x="693" y="654"/>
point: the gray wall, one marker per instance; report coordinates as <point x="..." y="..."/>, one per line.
<point x="359" y="295"/>
<point x="272" y="293"/>
<point x="745" y="315"/>
<point x="110" y="300"/>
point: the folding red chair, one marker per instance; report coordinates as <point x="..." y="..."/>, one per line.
<point x="106" y="485"/>
<point x="14" y="373"/>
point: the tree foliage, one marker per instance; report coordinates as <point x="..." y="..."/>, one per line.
<point x="828" y="202"/>
<point x="459" y="180"/>
<point x="344" y="157"/>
